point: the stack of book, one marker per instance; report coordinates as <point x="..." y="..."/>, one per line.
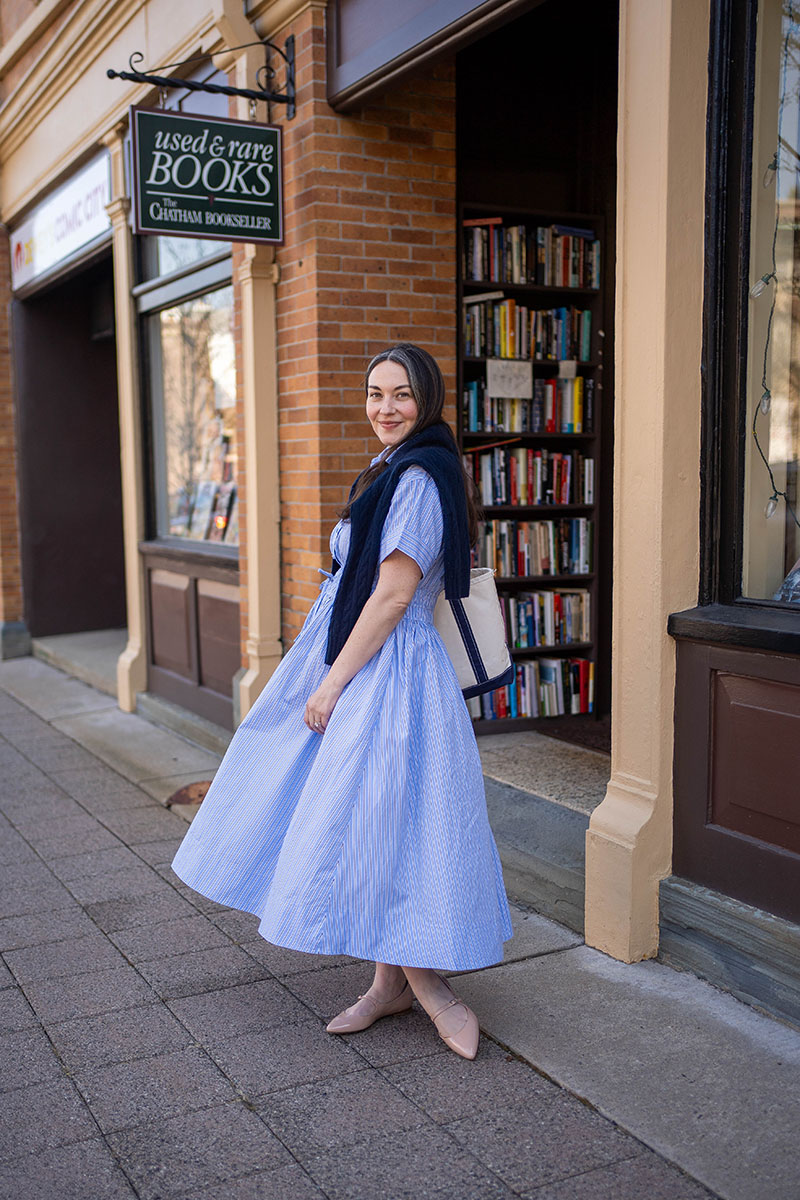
<point x="519" y="549"/>
<point x="558" y="406"/>
<point x="524" y="475"/>
<point x="544" y="687"/>
<point x="551" y="618"/>
<point x="550" y="255"/>
<point x="495" y="327"/>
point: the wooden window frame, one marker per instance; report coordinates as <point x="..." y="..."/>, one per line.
<point x="722" y="614"/>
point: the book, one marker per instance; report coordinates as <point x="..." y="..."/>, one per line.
<point x="202" y="507"/>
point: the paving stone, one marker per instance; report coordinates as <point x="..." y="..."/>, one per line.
<point x="328" y="992"/>
<point x="7" y="704"/>
<point x="401" y="1038"/>
<point x="148" y="824"/>
<point x="405" y="1166"/>
<point x="113" y="915"/>
<point x="55" y="752"/>
<point x="240" y="926"/>
<point x="126" y="883"/>
<point x="159" y="853"/>
<point x="169" y="938"/>
<point x="42" y="1116"/>
<point x="529" y="1145"/>
<point x="89" y="863"/>
<point x="76" y="835"/>
<point x="64" y="1174"/>
<point x="22" y="725"/>
<point x="97" y="991"/>
<point x="35" y="929"/>
<point x="75" y="956"/>
<point x="13" y="847"/>
<point x="6" y="978"/>
<point x="287" y="1183"/>
<point x="15" y="1012"/>
<point x="179" y="1156"/>
<point x="282" y="962"/>
<point x="30" y="888"/>
<point x="201" y="971"/>
<point x="249" y="1008"/>
<point x="259" y="1063"/>
<point x="35" y="809"/>
<point x="332" y="1113"/>
<point x="100" y="790"/>
<point x="132" y="1093"/>
<point x="118" y="1037"/>
<point x="27" y="1057"/>
<point x="646" y="1175"/>
<point x="202" y="903"/>
<point x="449" y="1087"/>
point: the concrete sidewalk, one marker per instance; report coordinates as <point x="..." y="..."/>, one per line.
<point x="154" y="1046"/>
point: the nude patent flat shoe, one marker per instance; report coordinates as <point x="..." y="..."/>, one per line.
<point x="366" y="1012"/>
<point x="465" y="1041"/>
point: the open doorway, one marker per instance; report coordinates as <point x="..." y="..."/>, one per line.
<point x="536" y="167"/>
<point x="69" y="455"/>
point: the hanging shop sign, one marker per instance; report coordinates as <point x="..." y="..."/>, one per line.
<point x="206" y="177"/>
<point x="64" y="225"/>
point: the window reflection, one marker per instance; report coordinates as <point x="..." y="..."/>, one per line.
<point x="196" y="380"/>
<point x="175" y="253"/>
<point x="771" y="546"/>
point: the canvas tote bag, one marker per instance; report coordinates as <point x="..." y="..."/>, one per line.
<point x="474" y="635"/>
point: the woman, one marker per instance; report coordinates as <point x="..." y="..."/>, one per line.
<point x="349" y="812"/>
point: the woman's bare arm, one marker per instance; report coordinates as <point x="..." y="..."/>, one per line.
<point x="397" y="583"/>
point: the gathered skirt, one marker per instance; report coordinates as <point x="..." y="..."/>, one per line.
<point x="371" y="839"/>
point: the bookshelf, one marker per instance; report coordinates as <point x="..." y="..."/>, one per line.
<point x="531" y="334"/>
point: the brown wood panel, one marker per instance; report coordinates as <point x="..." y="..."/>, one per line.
<point x="736" y="774"/>
<point x="755" y="758"/>
<point x="172" y="622"/>
<point x="219" y="654"/>
<point x="193" y="626"/>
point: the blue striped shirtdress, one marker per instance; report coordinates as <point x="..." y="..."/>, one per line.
<point x="371" y="839"/>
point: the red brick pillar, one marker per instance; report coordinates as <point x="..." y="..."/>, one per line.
<point x="369" y="259"/>
<point x="14" y="637"/>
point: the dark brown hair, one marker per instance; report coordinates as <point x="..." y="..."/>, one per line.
<point x="427" y="387"/>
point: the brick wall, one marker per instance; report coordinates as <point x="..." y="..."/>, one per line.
<point x="369" y="259"/>
<point x="10" y="563"/>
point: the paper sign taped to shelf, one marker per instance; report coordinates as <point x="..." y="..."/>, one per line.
<point x="567" y="368"/>
<point x="509" y="378"/>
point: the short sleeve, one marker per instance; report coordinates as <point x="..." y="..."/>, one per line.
<point x="414" y="523"/>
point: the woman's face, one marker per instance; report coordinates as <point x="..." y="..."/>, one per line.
<point x="391" y="407"/>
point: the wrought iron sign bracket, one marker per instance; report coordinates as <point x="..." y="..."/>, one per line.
<point x="265" y="76"/>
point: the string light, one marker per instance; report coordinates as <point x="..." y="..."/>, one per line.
<point x="759" y="287"/>
<point x="771" y="171"/>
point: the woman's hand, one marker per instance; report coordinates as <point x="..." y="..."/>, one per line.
<point x="320" y="705"/>
<point x="398" y="577"/>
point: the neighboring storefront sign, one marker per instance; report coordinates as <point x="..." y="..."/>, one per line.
<point x="205" y="177"/>
<point x="64" y="224"/>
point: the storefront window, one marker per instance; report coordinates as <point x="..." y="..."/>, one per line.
<point x="194" y="387"/>
<point x="771" y="534"/>
<point x="163" y="255"/>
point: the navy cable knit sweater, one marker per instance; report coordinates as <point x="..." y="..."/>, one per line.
<point x="436" y="451"/>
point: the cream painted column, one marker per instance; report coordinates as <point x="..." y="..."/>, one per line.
<point x="132" y="663"/>
<point x="257" y="277"/>
<point x="660" y="210"/>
